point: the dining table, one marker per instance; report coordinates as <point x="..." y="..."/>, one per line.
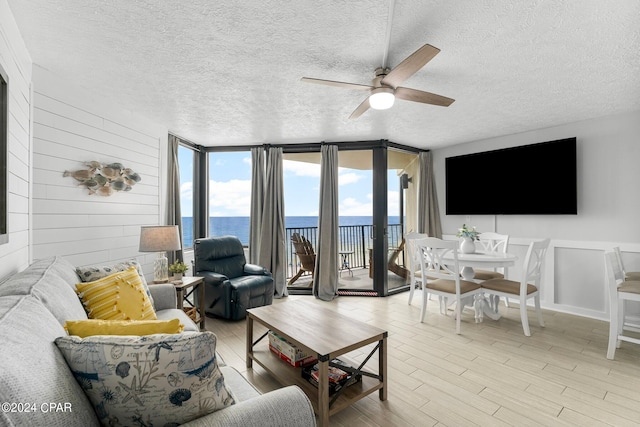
<point x="482" y="260"/>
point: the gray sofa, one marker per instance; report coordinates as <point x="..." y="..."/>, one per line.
<point x="35" y="303"/>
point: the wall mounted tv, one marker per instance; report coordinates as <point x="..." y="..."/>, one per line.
<point x="535" y="179"/>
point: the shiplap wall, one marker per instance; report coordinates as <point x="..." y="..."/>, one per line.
<point x="71" y="127"/>
<point x="15" y="59"/>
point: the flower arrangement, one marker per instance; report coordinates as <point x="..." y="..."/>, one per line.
<point x="178" y="267"/>
<point x="468" y="232"/>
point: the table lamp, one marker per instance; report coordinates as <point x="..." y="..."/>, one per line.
<point x="160" y="238"/>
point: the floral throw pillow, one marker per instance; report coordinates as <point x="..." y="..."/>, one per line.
<point x="162" y="379"/>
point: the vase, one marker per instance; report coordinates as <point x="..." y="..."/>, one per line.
<point x="177" y="276"/>
<point x="467" y="246"/>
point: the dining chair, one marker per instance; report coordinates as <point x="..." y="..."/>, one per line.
<point x="442" y="278"/>
<point x="415" y="275"/>
<point x="491" y="242"/>
<point x="620" y="290"/>
<point x="528" y="286"/>
<point x="628" y="275"/>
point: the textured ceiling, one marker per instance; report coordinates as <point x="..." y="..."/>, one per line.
<point x="228" y="72"/>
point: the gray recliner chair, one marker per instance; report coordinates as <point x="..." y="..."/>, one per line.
<point x="231" y="285"/>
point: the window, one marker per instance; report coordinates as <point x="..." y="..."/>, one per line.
<point x="185" y="161"/>
<point x="230" y="194"/>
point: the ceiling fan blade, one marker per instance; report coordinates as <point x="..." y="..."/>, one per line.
<point x="421" y="96"/>
<point x="410" y="65"/>
<point x="361" y="109"/>
<point x="337" y="84"/>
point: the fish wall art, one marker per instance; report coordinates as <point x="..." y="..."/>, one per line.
<point x="104" y="179"/>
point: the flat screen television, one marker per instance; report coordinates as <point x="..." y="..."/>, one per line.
<point x="535" y="179"/>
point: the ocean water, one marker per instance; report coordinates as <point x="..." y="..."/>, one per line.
<point x="239" y="225"/>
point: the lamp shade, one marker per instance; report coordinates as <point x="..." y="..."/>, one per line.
<point x="159" y="238"/>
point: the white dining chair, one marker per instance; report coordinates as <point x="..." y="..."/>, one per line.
<point x="528" y="286"/>
<point x="628" y="275"/>
<point x="491" y="242"/>
<point x="442" y="278"/>
<point x="620" y="290"/>
<point x="415" y="275"/>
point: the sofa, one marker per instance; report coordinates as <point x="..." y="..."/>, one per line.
<point x="231" y="284"/>
<point x="37" y="388"/>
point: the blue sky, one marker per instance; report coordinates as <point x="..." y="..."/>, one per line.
<point x="230" y="187"/>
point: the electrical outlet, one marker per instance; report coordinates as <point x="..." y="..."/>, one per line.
<point x="467" y="219"/>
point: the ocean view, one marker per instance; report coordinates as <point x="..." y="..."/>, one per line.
<point x="239" y="225"/>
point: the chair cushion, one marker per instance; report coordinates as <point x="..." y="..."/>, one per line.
<point x="155" y="380"/>
<point x="444" y="285"/>
<point x="632" y="275"/>
<point x="630" y="286"/>
<point x="119" y="296"/>
<point x="506" y="286"/>
<point x="487" y="274"/>
<point x="90" y="327"/>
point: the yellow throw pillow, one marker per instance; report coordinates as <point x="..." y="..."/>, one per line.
<point x="120" y="296"/>
<point x="90" y="327"/>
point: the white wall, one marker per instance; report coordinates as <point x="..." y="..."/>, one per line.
<point x="608" y="154"/>
<point x="15" y="60"/>
<point x="72" y="126"/>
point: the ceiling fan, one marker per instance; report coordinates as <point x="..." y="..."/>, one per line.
<point x="384" y="86"/>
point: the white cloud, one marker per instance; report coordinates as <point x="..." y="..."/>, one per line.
<point x="186" y="191"/>
<point x="230" y="198"/>
<point x="348" y="178"/>
<point x="352" y="207"/>
<point x="301" y="168"/>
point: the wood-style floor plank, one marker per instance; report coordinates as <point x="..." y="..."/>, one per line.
<point x="490" y="375"/>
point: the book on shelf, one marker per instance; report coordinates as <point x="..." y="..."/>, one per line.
<point x="338" y="378"/>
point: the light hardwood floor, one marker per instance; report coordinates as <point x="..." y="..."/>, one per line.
<point x="490" y="375"/>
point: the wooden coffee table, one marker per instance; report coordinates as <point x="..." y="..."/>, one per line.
<point x="327" y="335"/>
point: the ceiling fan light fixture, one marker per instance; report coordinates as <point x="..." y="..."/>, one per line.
<point x="381" y="98"/>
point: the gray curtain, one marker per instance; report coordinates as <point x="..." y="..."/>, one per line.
<point x="325" y="276"/>
<point x="257" y="201"/>
<point x="428" y="211"/>
<point x="174" y="213"/>
<point x="272" y="245"/>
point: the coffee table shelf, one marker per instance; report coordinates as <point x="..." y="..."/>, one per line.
<point x="288" y="375"/>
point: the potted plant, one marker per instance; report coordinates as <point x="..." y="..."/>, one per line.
<point x="178" y="268"/>
<point x="467" y="235"/>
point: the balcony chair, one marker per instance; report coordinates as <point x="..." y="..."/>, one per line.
<point x="306" y="255"/>
<point x="231" y="285"/>
<point x="527" y="287"/>
<point x="620" y="290"/>
<point x="392" y="261"/>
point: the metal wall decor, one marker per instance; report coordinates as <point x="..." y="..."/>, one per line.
<point x="104" y="179"/>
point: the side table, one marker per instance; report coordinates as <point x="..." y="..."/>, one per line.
<point x="185" y="288"/>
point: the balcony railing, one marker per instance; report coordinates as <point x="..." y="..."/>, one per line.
<point x="353" y="238"/>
